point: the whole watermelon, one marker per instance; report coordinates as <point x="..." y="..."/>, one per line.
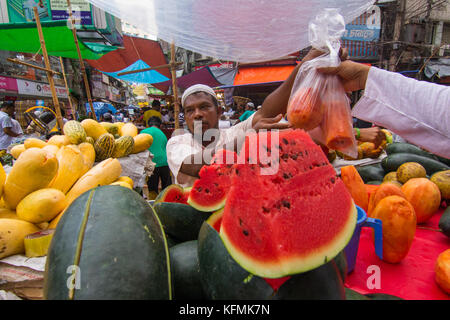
<point x="109" y="244"/>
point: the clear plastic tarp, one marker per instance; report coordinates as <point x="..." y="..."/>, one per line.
<point x="232" y="30"/>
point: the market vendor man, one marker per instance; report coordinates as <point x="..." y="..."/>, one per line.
<point x="187" y="152"/>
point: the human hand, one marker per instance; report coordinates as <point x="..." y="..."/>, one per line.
<point x="271" y="124"/>
<point x="374" y="135"/>
<point x="353" y="74"/>
<point x="314" y="53"/>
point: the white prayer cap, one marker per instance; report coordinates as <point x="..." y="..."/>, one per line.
<point x="197" y="88"/>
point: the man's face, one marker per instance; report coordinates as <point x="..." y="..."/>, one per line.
<point x="10" y="110"/>
<point x="200" y="107"/>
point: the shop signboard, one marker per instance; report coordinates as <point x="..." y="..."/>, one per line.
<point x="8" y="85"/>
<point x="38" y="89"/>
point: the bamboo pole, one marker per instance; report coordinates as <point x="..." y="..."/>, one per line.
<point x="83" y="69"/>
<point x="173" y="66"/>
<point x="49" y="74"/>
<point x="74" y="112"/>
<point x="32" y="65"/>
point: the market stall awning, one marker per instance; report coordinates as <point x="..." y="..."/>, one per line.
<point x="151" y="76"/>
<point x="246" y="76"/>
<point x="145" y="52"/>
<point x="23" y="37"/>
<point x="202" y="76"/>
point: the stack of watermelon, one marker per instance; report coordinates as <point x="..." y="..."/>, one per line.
<point x="276" y="236"/>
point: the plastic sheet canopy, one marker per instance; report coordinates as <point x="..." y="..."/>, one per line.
<point x="233" y="30"/>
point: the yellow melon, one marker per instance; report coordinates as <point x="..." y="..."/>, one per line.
<point x="142" y="142"/>
<point x="17" y="150"/>
<point x="34" y="143"/>
<point x="34" y="170"/>
<point x="71" y="167"/>
<point x="93" y="128"/>
<point x="59" y="140"/>
<point x="41" y="206"/>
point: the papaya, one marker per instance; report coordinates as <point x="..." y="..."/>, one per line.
<point x="399" y="227"/>
<point x="34" y="143"/>
<point x="442" y="271"/>
<point x="12" y="235"/>
<point x="122" y="184"/>
<point x="410" y="170"/>
<point x="59" y="140"/>
<point x="88" y="152"/>
<point x="41" y="206"/>
<point x="8" y="214"/>
<point x="142" y="142"/>
<point x="442" y="180"/>
<point x="355" y="185"/>
<point x="305" y="109"/>
<point x="2" y="179"/>
<point x="129" y="129"/>
<point x="17" y="150"/>
<point x="34" y="170"/>
<point x="71" y="167"/>
<point x="127" y="180"/>
<point x="93" y="128"/>
<point x="104" y="173"/>
<point x="51" y="148"/>
<point x="384" y="190"/>
<point x="424" y="196"/>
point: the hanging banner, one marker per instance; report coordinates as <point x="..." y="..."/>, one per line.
<point x="81" y="8"/>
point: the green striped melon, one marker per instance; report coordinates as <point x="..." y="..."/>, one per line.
<point x="123" y="147"/>
<point x="110" y="127"/>
<point x="90" y="140"/>
<point x="104" y="147"/>
<point x="75" y="132"/>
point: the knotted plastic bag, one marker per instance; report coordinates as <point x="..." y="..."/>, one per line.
<point x="318" y="102"/>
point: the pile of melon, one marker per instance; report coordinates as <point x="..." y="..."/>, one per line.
<point x="110" y="140"/>
<point x="44" y="180"/>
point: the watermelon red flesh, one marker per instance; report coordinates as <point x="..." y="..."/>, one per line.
<point x="209" y="192"/>
<point x="295" y="219"/>
<point x="173" y="193"/>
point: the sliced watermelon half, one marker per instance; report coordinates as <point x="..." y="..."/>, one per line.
<point x="215" y="220"/>
<point x="293" y="220"/>
<point x="209" y="192"/>
<point x="173" y="193"/>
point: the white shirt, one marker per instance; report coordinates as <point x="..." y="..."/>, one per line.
<point x="418" y="111"/>
<point x="179" y="147"/>
<point x="224" y="124"/>
<point x="5" y="122"/>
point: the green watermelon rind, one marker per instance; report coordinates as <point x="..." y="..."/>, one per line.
<point x="296" y="266"/>
<point x="199" y="207"/>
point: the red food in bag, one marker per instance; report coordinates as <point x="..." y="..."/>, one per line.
<point x="305" y="110"/>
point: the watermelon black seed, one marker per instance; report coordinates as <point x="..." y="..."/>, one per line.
<point x="286" y="176"/>
<point x="286" y="204"/>
<point x="333" y="180"/>
<point x="245" y="232"/>
<point x="285" y="141"/>
<point x="294" y="157"/>
<point x="285" y="157"/>
<point x="240" y="221"/>
<point x="199" y="189"/>
<point x="207" y="190"/>
<point x="266" y="210"/>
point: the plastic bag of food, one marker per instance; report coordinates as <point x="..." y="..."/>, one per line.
<point x="318" y="102"/>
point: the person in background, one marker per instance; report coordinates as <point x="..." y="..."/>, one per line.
<point x="153" y="112"/>
<point x="165" y="116"/>
<point x="158" y="149"/>
<point x="224" y="123"/>
<point x="249" y="110"/>
<point x="7" y="133"/>
<point x="107" y="117"/>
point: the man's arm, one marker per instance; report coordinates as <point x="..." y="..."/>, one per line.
<point x="10" y="133"/>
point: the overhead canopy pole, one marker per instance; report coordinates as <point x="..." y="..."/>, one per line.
<point x="83" y="68"/>
<point x="51" y="81"/>
<point x="173" y="66"/>
<point x="74" y="112"/>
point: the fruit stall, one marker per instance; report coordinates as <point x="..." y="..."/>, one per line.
<point x="379" y="229"/>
